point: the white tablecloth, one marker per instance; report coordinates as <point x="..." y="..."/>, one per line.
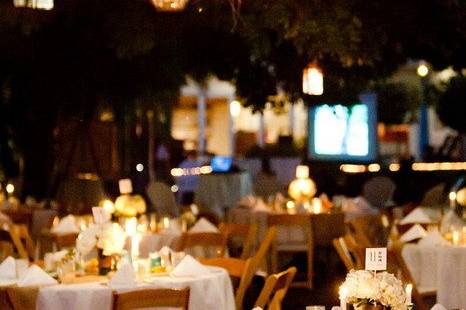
<point x="442" y="268"/>
<point x="208" y="292"/>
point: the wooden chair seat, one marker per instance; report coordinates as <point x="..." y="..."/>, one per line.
<point x="148" y="298"/>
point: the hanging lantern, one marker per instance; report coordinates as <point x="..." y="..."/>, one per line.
<point x="170" y="5"/>
<point x="313" y="80"/>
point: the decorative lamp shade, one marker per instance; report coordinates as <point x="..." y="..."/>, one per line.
<point x="170" y="5"/>
<point x="313" y="80"/>
<point x="302" y="172"/>
<point x="461" y="197"/>
<point x="302" y="189"/>
<point x="129" y="206"/>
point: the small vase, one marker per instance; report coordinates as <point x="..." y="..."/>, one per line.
<point x="105" y="263"/>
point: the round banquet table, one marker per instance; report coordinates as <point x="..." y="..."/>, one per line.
<point x="212" y="291"/>
<point x="219" y="191"/>
<point x="439" y="267"/>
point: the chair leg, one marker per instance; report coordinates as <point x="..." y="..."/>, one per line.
<point x="310" y="269"/>
<point x="274" y="259"/>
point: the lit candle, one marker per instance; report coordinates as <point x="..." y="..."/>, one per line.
<point x="409" y="292"/>
<point x="343" y="292"/>
<point x="153" y="222"/>
<point x="166" y="222"/>
<point x="452" y="197"/>
<point x="135" y="246"/>
<point x="317" y="205"/>
<point x="131" y="226"/>
<point x="456" y="236"/>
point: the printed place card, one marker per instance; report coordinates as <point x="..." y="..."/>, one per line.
<point x="125" y="185"/>
<point x="376" y="259"/>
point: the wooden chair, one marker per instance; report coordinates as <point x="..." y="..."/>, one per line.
<point x="275" y="289"/>
<point x="302" y="221"/>
<point x="6" y="249"/>
<point x="207" y="241"/>
<point x="148" y="298"/>
<point x="11" y="233"/>
<point x="25" y="238"/>
<point x="247" y="232"/>
<point x="350" y="253"/>
<point x="398" y="266"/>
<point x="23" y="298"/>
<point x="244" y="270"/>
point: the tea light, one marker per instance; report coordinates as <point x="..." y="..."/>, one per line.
<point x="409" y="292"/>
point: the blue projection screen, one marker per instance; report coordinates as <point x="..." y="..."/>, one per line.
<point x="346" y="133"/>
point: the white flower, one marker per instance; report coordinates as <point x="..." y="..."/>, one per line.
<point x="383" y="288"/>
<point x="109" y="237"/>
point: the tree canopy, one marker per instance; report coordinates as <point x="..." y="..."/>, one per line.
<point x="70" y="59"/>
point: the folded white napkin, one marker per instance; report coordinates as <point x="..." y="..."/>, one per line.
<point x="203" y="225"/>
<point x="189" y="267"/>
<point x="260" y="206"/>
<point x="34" y="275"/>
<point x="247" y="201"/>
<point x="415" y="232"/>
<point x="165" y="251"/>
<point x="66" y="225"/>
<point x="438" y="307"/>
<point x="418" y="216"/>
<point x="433" y="238"/>
<point x="8" y="269"/>
<point x="124" y="277"/>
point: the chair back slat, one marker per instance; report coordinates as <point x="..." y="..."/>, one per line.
<point x="205" y="240"/>
<point x="275" y="289"/>
<point x="151" y="298"/>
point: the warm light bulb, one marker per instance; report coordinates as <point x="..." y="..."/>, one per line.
<point x="422" y="70"/>
<point x="10" y="188"/>
<point x="452" y="196"/>
<point x="235" y="108"/>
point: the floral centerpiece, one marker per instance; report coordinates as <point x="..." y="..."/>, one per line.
<point x="109" y="239"/>
<point x="365" y="289"/>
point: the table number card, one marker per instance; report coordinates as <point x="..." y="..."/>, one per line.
<point x="376" y="259"/>
<point x="125" y="185"/>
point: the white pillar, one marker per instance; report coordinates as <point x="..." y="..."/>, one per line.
<point x="231" y="127"/>
<point x="201" y="116"/>
<point x="261" y="140"/>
